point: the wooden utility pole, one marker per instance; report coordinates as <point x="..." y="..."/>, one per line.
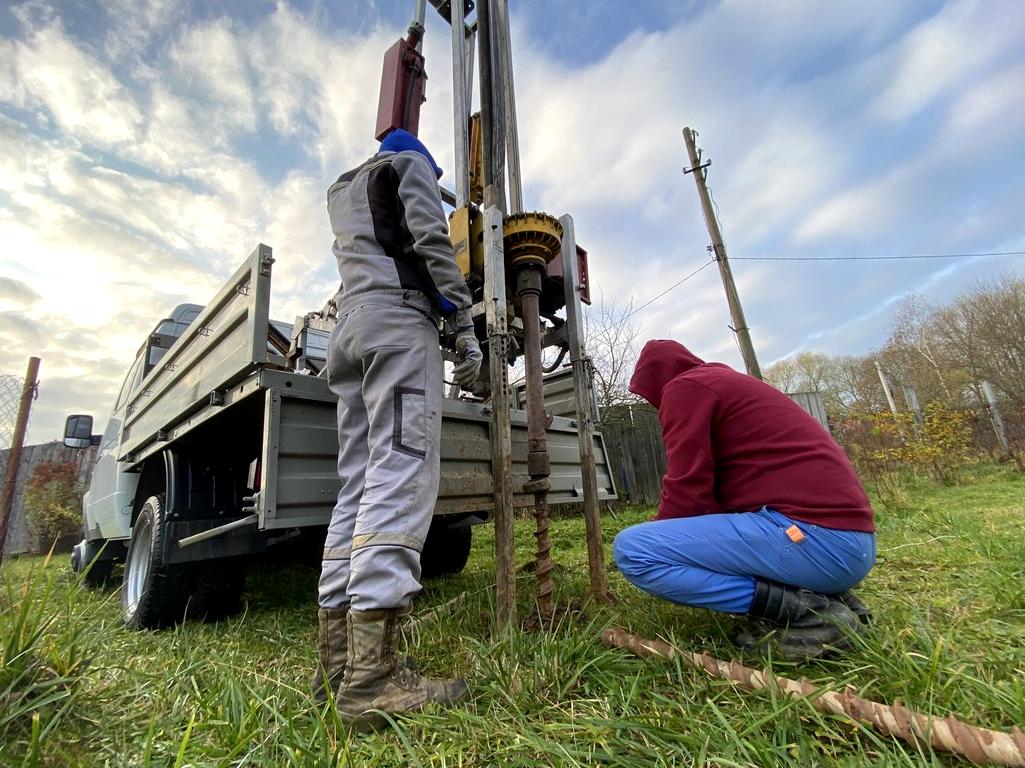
<point x="28" y="391"/>
<point x="740" y="328"/>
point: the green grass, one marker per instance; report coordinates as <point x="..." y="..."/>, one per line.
<point x="948" y="594"/>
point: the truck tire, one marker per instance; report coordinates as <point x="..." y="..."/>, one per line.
<point x="446" y="549"/>
<point x="153" y="593"/>
<point x="95" y="571"/>
<point x="218" y="589"/>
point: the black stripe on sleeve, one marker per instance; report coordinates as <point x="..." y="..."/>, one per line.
<point x="392" y="232"/>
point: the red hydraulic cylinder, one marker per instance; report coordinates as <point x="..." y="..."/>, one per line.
<point x="554" y="270"/>
<point x="403" y="82"/>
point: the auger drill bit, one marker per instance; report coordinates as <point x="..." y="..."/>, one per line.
<point x="531" y="241"/>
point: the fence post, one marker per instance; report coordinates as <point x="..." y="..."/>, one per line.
<point x="995" y="417"/>
<point x="28" y="392"/>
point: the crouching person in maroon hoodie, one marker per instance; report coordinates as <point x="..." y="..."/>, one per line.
<point x="761" y="511"/>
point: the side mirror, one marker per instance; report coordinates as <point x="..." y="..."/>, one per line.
<point x="78" y="431"/>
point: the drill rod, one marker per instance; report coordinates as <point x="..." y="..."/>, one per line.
<point x="528" y="285"/>
<point x="948" y="734"/>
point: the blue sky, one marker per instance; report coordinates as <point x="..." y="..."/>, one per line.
<point x="147" y="145"/>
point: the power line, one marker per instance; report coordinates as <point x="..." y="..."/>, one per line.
<point x="878" y="258"/>
<point x="708" y="263"/>
<point x="667" y="290"/>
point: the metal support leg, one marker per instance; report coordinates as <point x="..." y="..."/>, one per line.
<point x="500" y="10"/>
<point x="582" y="383"/>
<point x="501" y="437"/>
<point x="460" y="111"/>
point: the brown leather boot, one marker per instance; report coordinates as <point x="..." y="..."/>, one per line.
<point x="333" y="647"/>
<point x="376" y="682"/>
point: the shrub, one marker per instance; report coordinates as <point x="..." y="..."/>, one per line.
<point x="873" y="443"/>
<point x="884" y="447"/>
<point x="52" y="502"/>
<point x="944" y="443"/>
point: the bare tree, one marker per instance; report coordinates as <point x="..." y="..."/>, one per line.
<point x="916" y="357"/>
<point x="984" y="333"/>
<point x="847" y="383"/>
<point x="611" y="339"/>
<point x="783" y="375"/>
<point x="857" y="385"/>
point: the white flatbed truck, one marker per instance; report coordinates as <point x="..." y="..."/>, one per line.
<point x="222" y="443"/>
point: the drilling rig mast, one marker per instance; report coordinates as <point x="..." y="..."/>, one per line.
<point x="522" y="267"/>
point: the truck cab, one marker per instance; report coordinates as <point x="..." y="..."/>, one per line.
<point x="108" y="501"/>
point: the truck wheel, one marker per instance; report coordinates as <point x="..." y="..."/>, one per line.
<point x="153" y="593"/>
<point x="95" y="572"/>
<point x="446" y="549"/>
<point x="218" y="590"/>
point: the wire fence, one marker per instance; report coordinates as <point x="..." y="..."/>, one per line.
<point x="10" y="398"/>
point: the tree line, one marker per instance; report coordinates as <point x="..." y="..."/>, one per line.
<point x="943" y="353"/>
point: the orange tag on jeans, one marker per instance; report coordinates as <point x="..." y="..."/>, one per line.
<point x="796" y="534"/>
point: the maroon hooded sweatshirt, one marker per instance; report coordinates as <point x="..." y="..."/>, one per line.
<point x="735" y="444"/>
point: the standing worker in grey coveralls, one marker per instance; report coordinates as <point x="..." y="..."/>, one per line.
<point x="399" y="278"/>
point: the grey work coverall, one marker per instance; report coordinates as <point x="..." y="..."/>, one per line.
<point x="384" y="363"/>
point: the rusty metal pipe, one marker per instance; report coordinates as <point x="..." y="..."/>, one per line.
<point x="528" y="288"/>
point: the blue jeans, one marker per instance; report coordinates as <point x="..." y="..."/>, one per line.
<point x="712" y="561"/>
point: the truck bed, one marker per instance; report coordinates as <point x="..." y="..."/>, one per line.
<point x="225" y="343"/>
<point x="224" y="359"/>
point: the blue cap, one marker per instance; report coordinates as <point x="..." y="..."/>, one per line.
<point x="399" y="140"/>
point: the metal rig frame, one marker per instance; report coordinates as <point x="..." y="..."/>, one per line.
<point x="505" y="226"/>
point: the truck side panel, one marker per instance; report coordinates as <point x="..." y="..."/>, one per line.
<point x="227" y="341"/>
<point x="300" y="451"/>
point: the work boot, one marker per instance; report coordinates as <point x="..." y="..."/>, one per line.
<point x="854" y="602"/>
<point x="333" y="646"/>
<point x="376" y="682"/>
<point x="802" y="624"/>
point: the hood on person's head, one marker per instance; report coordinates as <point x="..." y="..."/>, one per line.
<point x="399" y="140"/>
<point x="660" y="361"/>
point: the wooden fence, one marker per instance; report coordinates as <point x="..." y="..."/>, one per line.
<point x="637" y="456"/>
<point x="19" y="539"/>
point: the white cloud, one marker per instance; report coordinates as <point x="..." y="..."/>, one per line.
<point x="859" y="212"/>
<point x="210" y="59"/>
<point x="173" y="141"/>
<point x="982" y="110"/>
<point x="16" y="293"/>
<point x="320" y="87"/>
<point x="135" y="23"/>
<point x="81" y="95"/>
<point x="788" y="168"/>
<point x="958" y="44"/>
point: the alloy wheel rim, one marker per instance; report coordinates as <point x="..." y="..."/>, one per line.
<point x="139" y="561"/>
